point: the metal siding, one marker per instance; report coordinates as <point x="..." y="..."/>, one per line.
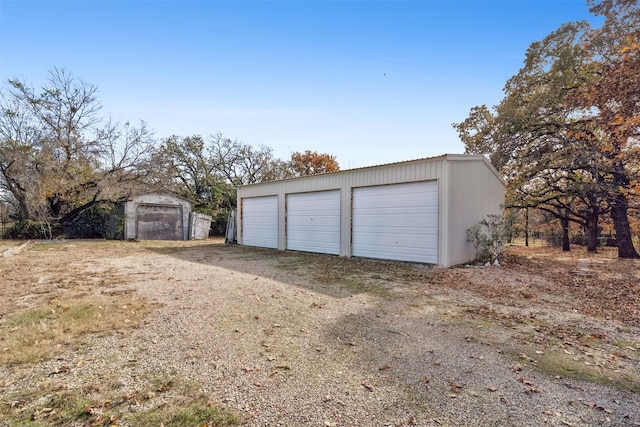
<point x="475" y="192"/>
<point x="474" y="168"/>
<point x="397" y="222"/>
<point x="260" y="221"/>
<point x="313" y="222"/>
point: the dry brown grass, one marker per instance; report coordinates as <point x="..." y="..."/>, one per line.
<point x="40" y="333"/>
<point x="49" y="305"/>
<point x="57" y="294"/>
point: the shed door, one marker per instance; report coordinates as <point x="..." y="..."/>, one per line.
<point x="260" y="221"/>
<point x="397" y="222"/>
<point x="313" y="222"/>
<point x="159" y="222"/>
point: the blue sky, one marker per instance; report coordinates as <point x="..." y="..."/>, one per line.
<point x="370" y="82"/>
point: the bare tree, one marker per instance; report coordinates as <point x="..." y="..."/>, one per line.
<point x="58" y="157"/>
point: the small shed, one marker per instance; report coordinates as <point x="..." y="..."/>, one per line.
<point x="415" y="211"/>
<point x="157" y="216"/>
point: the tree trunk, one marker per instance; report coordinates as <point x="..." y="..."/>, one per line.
<point x="592" y="230"/>
<point x="526" y="227"/>
<point x="623" y="230"/>
<point x="566" y="246"/>
<point x="619" y="215"/>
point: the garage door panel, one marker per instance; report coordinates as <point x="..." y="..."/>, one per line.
<point x="325" y="221"/>
<point x="401" y="241"/>
<point x="398" y="222"/>
<point x="260" y="221"/>
<point x="313" y="222"/>
<point x="374" y="220"/>
<point x="416" y="199"/>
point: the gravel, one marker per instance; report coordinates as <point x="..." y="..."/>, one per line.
<point x="270" y="340"/>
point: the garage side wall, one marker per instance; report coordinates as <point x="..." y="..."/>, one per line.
<point x="475" y="191"/>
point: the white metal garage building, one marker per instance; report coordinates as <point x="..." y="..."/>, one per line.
<point x="416" y="211"/>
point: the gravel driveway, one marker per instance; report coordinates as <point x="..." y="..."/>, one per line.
<point x="290" y="339"/>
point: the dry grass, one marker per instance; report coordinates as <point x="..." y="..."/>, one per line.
<point x="100" y="405"/>
<point x="49" y="306"/>
<point x="60" y="294"/>
<point x="41" y="333"/>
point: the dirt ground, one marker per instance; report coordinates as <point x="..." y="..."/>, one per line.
<point x="545" y="338"/>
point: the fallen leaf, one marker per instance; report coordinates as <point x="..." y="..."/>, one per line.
<point x="369" y="387"/>
<point x="523" y="356"/>
<point x="525" y="381"/>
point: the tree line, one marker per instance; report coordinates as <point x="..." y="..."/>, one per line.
<point x="61" y="161"/>
<point x="566" y="135"/>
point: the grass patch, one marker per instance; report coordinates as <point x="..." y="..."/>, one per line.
<point x="53" y="408"/>
<point x="558" y="364"/>
<point x="569" y="352"/>
<point x="196" y="413"/>
<point x="149" y="407"/>
<point x="39" y="334"/>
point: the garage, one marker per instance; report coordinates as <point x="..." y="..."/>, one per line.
<point x="260" y="221"/>
<point x="396" y="222"/>
<point x="313" y="222"/>
<point x="414" y="211"/>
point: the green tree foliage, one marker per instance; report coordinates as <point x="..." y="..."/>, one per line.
<point x="208" y="171"/>
<point x="556" y="142"/>
<point x="186" y="166"/>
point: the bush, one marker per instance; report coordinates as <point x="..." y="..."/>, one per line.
<point x="29" y="229"/>
<point x="489" y="237"/>
<point x="103" y="220"/>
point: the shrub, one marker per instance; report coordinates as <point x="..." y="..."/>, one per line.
<point x="29" y="229"/>
<point x="489" y="237"/>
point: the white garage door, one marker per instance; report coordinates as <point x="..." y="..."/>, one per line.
<point x="396" y="222"/>
<point x="260" y="221"/>
<point x="313" y="222"/>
